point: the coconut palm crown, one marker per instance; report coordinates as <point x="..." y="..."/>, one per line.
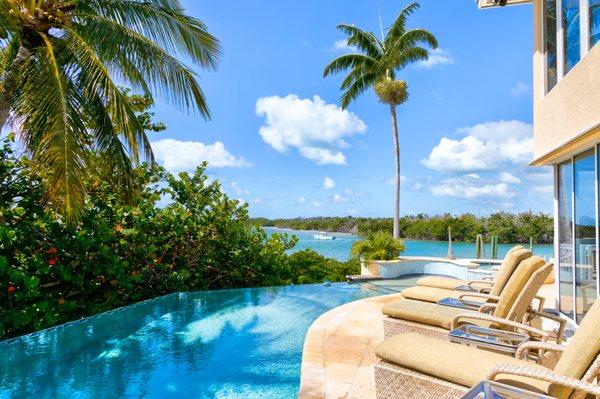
<point x="376" y="66"/>
<point x="59" y="64"/>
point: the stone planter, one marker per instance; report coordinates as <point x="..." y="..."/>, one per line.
<point x="369" y="268"/>
<point x="390" y="268"/>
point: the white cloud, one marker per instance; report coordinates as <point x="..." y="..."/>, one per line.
<point x="323" y="156"/>
<point x="179" y="156"/>
<point x="328" y="183"/>
<point x="438" y="56"/>
<point x="317" y="129"/>
<point x="302" y="200"/>
<point x="468" y="189"/>
<point x="339" y="198"/>
<point x="509" y="178"/>
<point x="485" y="146"/>
<point x="519" y="89"/>
<point x="341" y="46"/>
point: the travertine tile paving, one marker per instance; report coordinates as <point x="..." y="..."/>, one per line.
<point x="338" y="354"/>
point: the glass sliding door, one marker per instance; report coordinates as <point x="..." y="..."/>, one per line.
<point x="572" y="40"/>
<point x="550" y="43"/>
<point x="585" y="232"/>
<point x="565" y="237"/>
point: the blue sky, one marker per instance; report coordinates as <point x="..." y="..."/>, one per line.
<point x="279" y="141"/>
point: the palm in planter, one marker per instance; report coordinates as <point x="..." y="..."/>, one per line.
<point x="60" y="61"/>
<point x="377" y="247"/>
<point x="376" y="66"/>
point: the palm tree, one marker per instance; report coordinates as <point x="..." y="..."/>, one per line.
<point x="59" y="63"/>
<point x="376" y="66"/>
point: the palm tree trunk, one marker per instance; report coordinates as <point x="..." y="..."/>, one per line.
<point x="9" y="83"/>
<point x="397" y="159"/>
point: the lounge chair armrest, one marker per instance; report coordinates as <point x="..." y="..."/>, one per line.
<point x="525" y="348"/>
<point x="488" y="308"/>
<point x="541" y="301"/>
<point x="543" y="375"/>
<point x="499" y="320"/>
<point x="479" y="295"/>
<point x="562" y="323"/>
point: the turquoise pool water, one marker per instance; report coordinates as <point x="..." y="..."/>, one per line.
<point x="240" y="343"/>
<point x="340" y="247"/>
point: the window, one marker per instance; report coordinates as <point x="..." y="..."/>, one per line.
<point x="570" y="24"/>
<point x="550" y="43"/>
<point x="594" y="22"/>
<point x="585" y="232"/>
<point x="565" y="237"/>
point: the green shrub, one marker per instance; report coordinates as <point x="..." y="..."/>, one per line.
<point x="378" y="246"/>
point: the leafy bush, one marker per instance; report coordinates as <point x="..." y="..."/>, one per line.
<point x="378" y="246"/>
<point x="179" y="233"/>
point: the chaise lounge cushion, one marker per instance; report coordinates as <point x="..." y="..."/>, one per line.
<point x="516" y="283"/>
<point x="423" y="312"/>
<point x="447" y="283"/>
<point x="434" y="288"/>
<point x="513" y="258"/>
<point x="430" y="294"/>
<point x="459" y="364"/>
<point x="581" y="350"/>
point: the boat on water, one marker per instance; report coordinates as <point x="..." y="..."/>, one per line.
<point x="323" y="237"/>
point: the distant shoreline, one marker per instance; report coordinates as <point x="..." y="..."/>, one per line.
<point x="310" y="231"/>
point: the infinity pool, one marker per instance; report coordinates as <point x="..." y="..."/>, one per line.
<point x="241" y="343"/>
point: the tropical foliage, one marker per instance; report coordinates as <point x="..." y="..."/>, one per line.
<point x="59" y="61"/>
<point x="509" y="228"/>
<point x="376" y="65"/>
<point x="181" y="233"/>
<point x="380" y="245"/>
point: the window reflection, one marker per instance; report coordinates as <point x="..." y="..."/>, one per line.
<point x="585" y="232"/>
<point x="594" y="22"/>
<point x="565" y="237"/>
<point x="550" y="43"/>
<point x="570" y="20"/>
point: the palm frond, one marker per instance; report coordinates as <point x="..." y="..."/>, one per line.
<point x="347" y="61"/>
<point x="164" y="23"/>
<point x="50" y="109"/>
<point x="358" y="87"/>
<point x="94" y="80"/>
<point x="399" y="26"/>
<point x="363" y="40"/>
<point x="7" y="22"/>
<point x="166" y="76"/>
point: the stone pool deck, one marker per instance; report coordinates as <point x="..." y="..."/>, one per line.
<point x="338" y="358"/>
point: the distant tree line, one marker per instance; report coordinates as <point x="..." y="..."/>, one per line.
<point x="508" y="227"/>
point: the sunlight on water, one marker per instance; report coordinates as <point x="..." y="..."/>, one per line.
<point x="243" y="343"/>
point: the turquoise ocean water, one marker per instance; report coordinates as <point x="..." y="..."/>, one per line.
<point x="340" y="247"/>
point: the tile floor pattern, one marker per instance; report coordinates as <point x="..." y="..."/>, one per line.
<point x="338" y="358"/>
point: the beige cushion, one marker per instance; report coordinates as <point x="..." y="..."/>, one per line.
<point x="459" y="364"/>
<point x="447" y="283"/>
<point x="516" y="255"/>
<point x="516" y="283"/>
<point x="581" y="350"/>
<point x="430" y="294"/>
<point x="423" y="312"/>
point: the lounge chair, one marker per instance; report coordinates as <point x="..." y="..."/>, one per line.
<point x="417" y="366"/>
<point x="435" y="288"/>
<point x="513" y="307"/>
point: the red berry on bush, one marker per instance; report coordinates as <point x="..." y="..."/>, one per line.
<point x="11" y="289"/>
<point x="52" y="262"/>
